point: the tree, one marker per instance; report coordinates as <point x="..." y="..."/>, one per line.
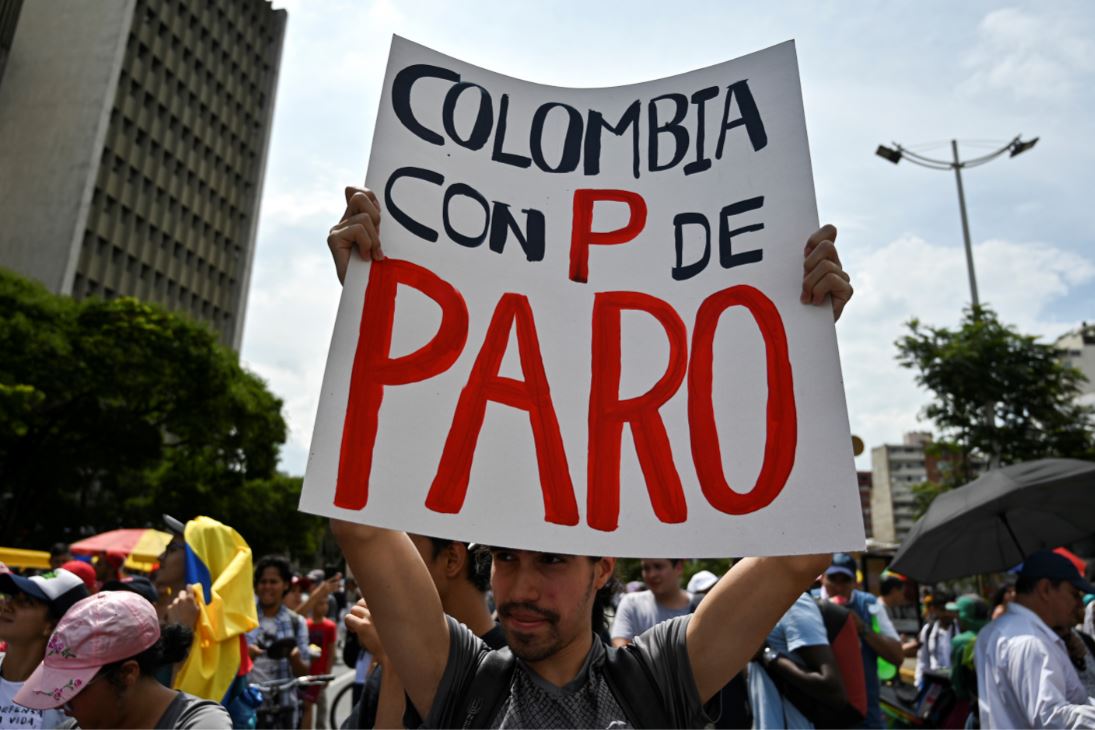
<point x="999" y="397"/>
<point x="114" y="412"/>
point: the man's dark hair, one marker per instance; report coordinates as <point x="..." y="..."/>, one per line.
<point x="601" y="601"/>
<point x="672" y="561"/>
<point x="278" y="562"/>
<point x="59" y="548"/>
<point x="1026" y="584"/>
<point x="478" y="562"/>
<point x="890" y="583"/>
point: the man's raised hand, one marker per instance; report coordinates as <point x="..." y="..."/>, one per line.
<point x="359" y="229"/>
<point x="823" y="274"/>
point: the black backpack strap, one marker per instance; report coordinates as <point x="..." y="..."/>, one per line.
<point x="488" y="688"/>
<point x="476" y="707"/>
<point x="634" y="688"/>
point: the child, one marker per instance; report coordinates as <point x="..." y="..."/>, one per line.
<point x="322" y="633"/>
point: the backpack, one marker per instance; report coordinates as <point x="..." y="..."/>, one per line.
<point x="844" y="641"/>
<point x="625" y="672"/>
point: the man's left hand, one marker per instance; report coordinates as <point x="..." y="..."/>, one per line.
<point x="823" y="276"/>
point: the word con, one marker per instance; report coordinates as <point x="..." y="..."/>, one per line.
<point x="499" y="223"/>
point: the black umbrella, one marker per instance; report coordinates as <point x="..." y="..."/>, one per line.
<point x="995" y="521"/>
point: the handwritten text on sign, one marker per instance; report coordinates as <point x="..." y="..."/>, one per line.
<point x="550" y="286"/>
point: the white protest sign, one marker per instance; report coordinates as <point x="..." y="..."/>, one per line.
<point x="587" y="336"/>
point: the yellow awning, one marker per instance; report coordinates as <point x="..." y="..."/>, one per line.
<point x="19" y="558"/>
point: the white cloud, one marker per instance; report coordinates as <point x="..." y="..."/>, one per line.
<point x="291" y="315"/>
<point x="1039" y="58"/>
<point x="910" y="277"/>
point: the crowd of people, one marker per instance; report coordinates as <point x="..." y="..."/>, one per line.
<point x="189" y="645"/>
<point x="444" y="633"/>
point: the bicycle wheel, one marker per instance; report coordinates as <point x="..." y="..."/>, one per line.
<point x="341" y="706"/>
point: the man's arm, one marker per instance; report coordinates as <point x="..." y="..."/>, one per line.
<point x="820" y="678"/>
<point x="1038" y="679"/>
<point x="300" y="659"/>
<point x="390" y="704"/>
<point x="403" y="603"/>
<point x="885" y="646"/>
<point x="736" y="616"/>
<point x="322" y="590"/>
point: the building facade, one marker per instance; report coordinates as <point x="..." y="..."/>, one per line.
<point x="895" y="469"/>
<point x="864" y="479"/>
<point x="133" y="140"/>
<point x="1078" y="350"/>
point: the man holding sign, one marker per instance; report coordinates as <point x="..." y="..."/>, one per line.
<point x="545" y="600"/>
<point x="568" y="266"/>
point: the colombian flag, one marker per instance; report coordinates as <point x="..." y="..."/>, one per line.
<point x="218" y="570"/>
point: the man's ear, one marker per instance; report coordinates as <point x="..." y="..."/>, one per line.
<point x="603" y="570"/>
<point x="456" y="559"/>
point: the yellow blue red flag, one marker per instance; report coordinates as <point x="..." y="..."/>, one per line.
<point x="218" y="570"/>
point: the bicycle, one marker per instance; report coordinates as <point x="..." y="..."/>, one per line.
<point x="272" y="713"/>
<point x="338" y="713"/>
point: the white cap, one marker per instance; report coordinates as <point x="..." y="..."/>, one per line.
<point x="702" y="581"/>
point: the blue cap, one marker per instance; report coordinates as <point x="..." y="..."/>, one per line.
<point x="844" y="564"/>
<point x="1048" y="564"/>
<point x="135" y="584"/>
<point x="60" y="589"/>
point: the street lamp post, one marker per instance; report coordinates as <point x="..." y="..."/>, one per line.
<point x="1016" y="146"/>
<point x="897" y="153"/>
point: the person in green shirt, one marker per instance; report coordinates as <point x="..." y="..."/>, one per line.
<point x="973" y="613"/>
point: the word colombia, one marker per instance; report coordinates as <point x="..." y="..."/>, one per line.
<point x="673" y="125"/>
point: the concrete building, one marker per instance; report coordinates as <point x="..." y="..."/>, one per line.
<point x="895" y="469"/>
<point x="133" y="139"/>
<point x="864" y="479"/>
<point x="1078" y="350"/>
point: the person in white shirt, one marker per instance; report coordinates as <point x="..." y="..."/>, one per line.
<point x="934" y="652"/>
<point x="664" y="600"/>
<point x="1024" y="676"/>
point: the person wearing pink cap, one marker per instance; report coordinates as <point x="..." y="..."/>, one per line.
<point x="99" y="667"/>
<point x="30" y="608"/>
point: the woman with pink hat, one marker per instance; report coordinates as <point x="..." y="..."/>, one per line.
<point x="99" y="667"/>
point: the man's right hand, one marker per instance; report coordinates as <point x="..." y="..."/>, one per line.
<point x="360" y="621"/>
<point x="359" y="229"/>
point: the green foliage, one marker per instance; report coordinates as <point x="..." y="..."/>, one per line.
<point x="999" y="397"/>
<point x="114" y="412"/>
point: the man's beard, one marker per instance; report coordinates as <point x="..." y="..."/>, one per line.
<point x="529" y="647"/>
<point x="532" y="648"/>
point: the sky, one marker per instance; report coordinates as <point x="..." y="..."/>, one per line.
<point x="918" y="73"/>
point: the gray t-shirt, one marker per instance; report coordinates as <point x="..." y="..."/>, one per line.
<point x="638" y="612"/>
<point x="586" y="701"/>
<point x="187" y="711"/>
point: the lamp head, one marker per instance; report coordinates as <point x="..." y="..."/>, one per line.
<point x="1018" y="147"/>
<point x="888" y="153"/>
